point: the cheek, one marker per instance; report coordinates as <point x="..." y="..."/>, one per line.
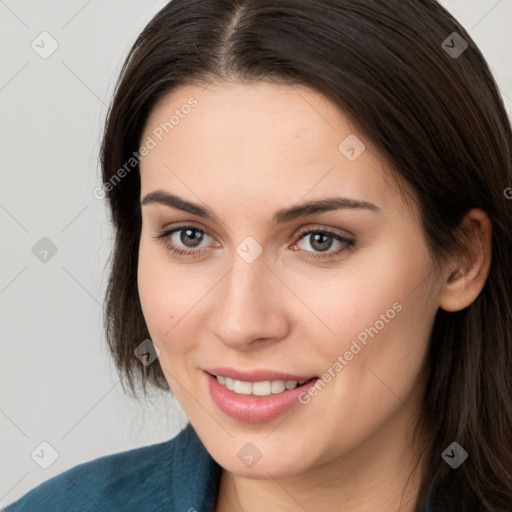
<point x="162" y="309"/>
<point x="391" y="275"/>
<point x="162" y="292"/>
<point x="361" y="298"/>
<point x="170" y="294"/>
<point x="381" y="312"/>
<point x="379" y="306"/>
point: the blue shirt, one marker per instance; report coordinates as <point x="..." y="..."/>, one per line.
<point x="178" y="475"/>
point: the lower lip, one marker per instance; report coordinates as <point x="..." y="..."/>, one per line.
<point x="255" y="409"/>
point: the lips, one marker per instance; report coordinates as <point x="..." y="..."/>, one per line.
<point x="250" y="408"/>
<point x="257" y="375"/>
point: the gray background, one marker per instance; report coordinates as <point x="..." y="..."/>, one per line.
<point x="57" y="384"/>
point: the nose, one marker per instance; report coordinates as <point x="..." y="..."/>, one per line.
<point x="250" y="307"/>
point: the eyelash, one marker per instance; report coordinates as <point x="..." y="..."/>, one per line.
<point x="348" y="243"/>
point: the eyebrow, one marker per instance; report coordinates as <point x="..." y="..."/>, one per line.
<point x="281" y="216"/>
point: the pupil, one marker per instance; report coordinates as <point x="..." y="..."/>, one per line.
<point x="321" y="239"/>
<point x="196" y="240"/>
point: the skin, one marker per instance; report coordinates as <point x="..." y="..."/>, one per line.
<point x="245" y="152"/>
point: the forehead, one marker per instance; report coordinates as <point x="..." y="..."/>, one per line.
<point x="257" y="142"/>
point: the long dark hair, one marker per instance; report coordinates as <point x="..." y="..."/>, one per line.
<point x="437" y="117"/>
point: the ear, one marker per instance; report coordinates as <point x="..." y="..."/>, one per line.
<point x="466" y="276"/>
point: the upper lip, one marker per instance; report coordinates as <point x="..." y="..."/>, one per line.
<point x="256" y="375"/>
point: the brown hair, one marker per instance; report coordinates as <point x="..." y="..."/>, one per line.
<point x="440" y="122"/>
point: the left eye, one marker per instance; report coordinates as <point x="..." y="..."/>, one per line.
<point x="322" y="241"/>
<point x="186" y="240"/>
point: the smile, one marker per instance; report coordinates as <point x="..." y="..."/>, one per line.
<point x="263" y="388"/>
<point x="257" y="401"/>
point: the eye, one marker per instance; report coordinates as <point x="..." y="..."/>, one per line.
<point x="322" y="241"/>
<point x="190" y="236"/>
<point x="186" y="241"/>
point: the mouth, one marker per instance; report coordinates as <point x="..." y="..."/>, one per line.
<point x="256" y="401"/>
<point x="262" y="387"/>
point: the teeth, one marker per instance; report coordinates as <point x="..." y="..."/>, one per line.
<point x="278" y="386"/>
<point x="263" y="388"/>
<point x="242" y="388"/>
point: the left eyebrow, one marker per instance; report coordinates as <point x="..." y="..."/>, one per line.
<point x="281" y="216"/>
<point x="322" y="205"/>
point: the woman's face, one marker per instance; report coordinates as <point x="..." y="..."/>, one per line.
<point x="342" y="293"/>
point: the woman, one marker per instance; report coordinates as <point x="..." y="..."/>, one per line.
<point x="313" y="254"/>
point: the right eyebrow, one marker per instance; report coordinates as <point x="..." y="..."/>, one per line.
<point x="281" y="216"/>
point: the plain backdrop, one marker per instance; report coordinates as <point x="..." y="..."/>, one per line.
<point x="57" y="383"/>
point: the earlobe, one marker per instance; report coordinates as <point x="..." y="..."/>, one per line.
<point x="466" y="279"/>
